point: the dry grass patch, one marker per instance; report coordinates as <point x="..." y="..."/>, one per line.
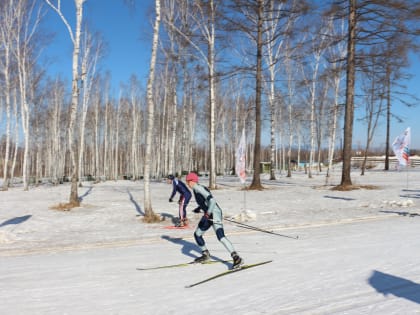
<point x="354" y="187"/>
<point x="154" y="218"/>
<point x="65" y="206"/>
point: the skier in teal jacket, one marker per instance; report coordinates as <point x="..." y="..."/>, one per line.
<point x="212" y="217"/>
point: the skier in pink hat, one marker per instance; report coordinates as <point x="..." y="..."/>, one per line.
<point x="212" y="217"/>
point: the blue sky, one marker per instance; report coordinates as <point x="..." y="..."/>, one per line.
<point x="127" y="32"/>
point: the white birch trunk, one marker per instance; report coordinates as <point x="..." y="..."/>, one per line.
<point x="96" y="137"/>
<point x="5" y="37"/>
<point x="23" y="42"/>
<point x="74" y="198"/>
<point x="85" y="103"/>
<point x="117" y="138"/>
<point x="312" y="120"/>
<point x="150" y="117"/>
<point x="173" y="123"/>
<point x="106" y="138"/>
<point x="16" y="138"/>
<point x="134" y="171"/>
<point x="341" y="51"/>
<point x="211" y="66"/>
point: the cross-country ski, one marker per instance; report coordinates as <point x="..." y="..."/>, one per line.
<point x="228" y="272"/>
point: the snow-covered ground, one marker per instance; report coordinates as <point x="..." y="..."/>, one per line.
<point x="357" y="252"/>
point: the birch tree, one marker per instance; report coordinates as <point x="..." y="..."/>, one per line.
<point x="291" y="67"/>
<point x="16" y="140"/>
<point x="56" y="154"/>
<point x="7" y="30"/>
<point x="27" y="22"/>
<point x="75" y="38"/>
<point x="173" y="54"/>
<point x="91" y="51"/>
<point x="374" y="92"/>
<point x="149" y="214"/>
<point x="274" y="49"/>
<point x="134" y="99"/>
<point x="201" y="16"/>
<point x="318" y="48"/>
<point x="336" y="55"/>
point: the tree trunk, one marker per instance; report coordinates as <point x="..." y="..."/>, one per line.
<point x="212" y="98"/>
<point x="149" y="214"/>
<point x="74" y="198"/>
<point x="6" y="52"/>
<point x="256" y="181"/>
<point x="349" y="109"/>
<point x="388" y="115"/>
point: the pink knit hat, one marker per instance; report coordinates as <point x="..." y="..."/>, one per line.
<point x="192" y="177"/>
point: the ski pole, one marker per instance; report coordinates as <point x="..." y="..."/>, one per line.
<point x="251" y="227"/>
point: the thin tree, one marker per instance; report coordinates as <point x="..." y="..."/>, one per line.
<point x="373" y="89"/>
<point x="396" y="54"/>
<point x="202" y="16"/>
<point x="336" y="55"/>
<point x="256" y="180"/>
<point x="75" y="38"/>
<point x="371" y="23"/>
<point x="350" y="84"/>
<point x="7" y="31"/>
<point x="90" y="55"/>
<point x="24" y="53"/>
<point x="149" y="214"/>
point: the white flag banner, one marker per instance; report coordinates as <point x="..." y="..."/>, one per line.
<point x="401" y="147"/>
<point x="240" y="167"/>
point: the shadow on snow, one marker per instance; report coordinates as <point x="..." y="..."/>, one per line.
<point x="403" y="213"/>
<point x="136" y="205"/>
<point x="340" y="198"/>
<point x="16" y="220"/>
<point x="388" y="284"/>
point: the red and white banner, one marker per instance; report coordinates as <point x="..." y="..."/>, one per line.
<point x="240" y="167"/>
<point x="401" y="147"/>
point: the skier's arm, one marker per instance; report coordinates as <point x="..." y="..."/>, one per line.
<point x="211" y="203"/>
<point x="173" y="191"/>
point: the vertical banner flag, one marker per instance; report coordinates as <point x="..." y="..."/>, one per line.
<point x="241" y="158"/>
<point x="401" y="147"/>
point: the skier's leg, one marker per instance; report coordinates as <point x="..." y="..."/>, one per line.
<point x="181" y="209"/>
<point x="181" y="216"/>
<point x="220" y="233"/>
<point x="202" y="227"/>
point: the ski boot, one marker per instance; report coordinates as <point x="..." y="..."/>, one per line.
<point x="179" y="223"/>
<point x="202" y="259"/>
<point x="237" y="261"/>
